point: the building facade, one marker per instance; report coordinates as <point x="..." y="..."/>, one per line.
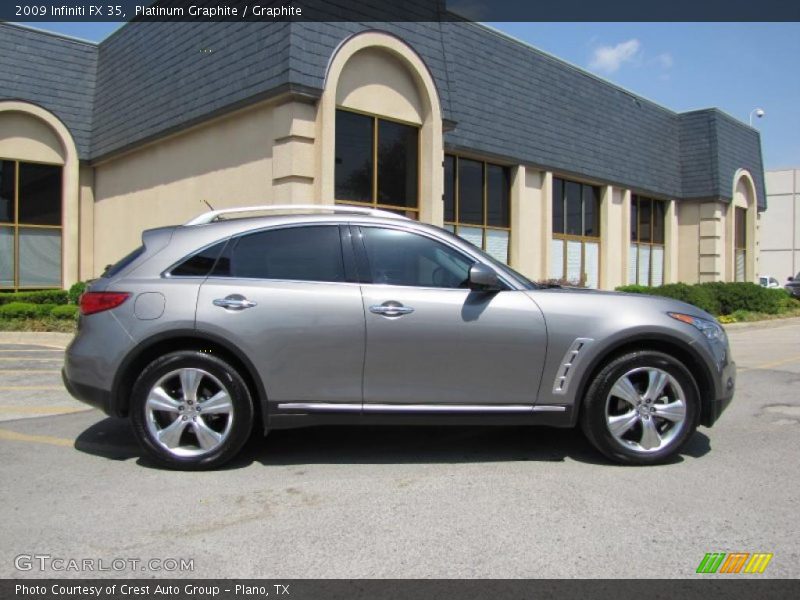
<point x="547" y="167"/>
<point x="780" y="249"/>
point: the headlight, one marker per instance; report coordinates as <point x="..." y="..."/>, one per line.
<point x="711" y="329"/>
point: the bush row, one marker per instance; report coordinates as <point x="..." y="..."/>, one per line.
<point x="35" y="297"/>
<point x="30" y="310"/>
<point x="70" y="296"/>
<point x="719" y="298"/>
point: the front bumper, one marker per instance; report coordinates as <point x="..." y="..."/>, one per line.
<point x="714" y="407"/>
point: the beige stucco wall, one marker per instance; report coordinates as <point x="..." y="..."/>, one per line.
<point x="377" y="82"/>
<point x="28" y="138"/>
<point x="615" y="236"/>
<point x="227" y="162"/>
<point x="86" y="223"/>
<point x="688" y="256"/>
<point x="780" y="225"/>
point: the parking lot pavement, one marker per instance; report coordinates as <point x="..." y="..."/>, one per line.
<point x="408" y="502"/>
<point x="30" y="382"/>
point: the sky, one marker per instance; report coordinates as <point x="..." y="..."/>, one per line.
<point x="736" y="67"/>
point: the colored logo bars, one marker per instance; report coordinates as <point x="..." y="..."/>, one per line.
<point x="735" y="562"/>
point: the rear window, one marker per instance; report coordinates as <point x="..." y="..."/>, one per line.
<point x="112" y="270"/>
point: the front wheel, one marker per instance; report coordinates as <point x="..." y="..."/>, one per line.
<point x="191" y="410"/>
<point x="641" y="408"/>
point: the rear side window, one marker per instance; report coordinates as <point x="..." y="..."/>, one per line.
<point x="200" y="264"/>
<point x="112" y="270"/>
<point x="295" y="253"/>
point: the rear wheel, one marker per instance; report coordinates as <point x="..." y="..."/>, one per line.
<point x="641" y="408"/>
<point x="191" y="410"/>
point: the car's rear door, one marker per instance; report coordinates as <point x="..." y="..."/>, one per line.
<point x="433" y="342"/>
<point x="285" y="298"/>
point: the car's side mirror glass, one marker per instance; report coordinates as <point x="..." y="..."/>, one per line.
<point x="483" y="278"/>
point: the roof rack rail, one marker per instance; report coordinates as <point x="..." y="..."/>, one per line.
<point x="213" y="215"/>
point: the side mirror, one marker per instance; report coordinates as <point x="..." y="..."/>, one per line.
<point x="483" y="278"/>
<point x="790" y="278"/>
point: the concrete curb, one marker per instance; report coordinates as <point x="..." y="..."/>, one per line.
<point x="39" y="338"/>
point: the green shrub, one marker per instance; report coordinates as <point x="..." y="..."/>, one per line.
<point x="693" y="294"/>
<point x="721" y="298"/>
<point x="745" y="296"/>
<point x="25" y="310"/>
<point x="35" y="297"/>
<point x="75" y="291"/>
<point x="64" y="311"/>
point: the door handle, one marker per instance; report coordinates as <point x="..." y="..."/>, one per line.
<point x="234" y="302"/>
<point x="390" y="309"/>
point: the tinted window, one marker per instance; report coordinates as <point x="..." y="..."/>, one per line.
<point x="591" y="211"/>
<point x="295" y="253"/>
<point x="574" y="206"/>
<point x="7" y="191"/>
<point x="449" y="188"/>
<point x="398" y="149"/>
<point x="658" y="222"/>
<point x="200" y="264"/>
<point x="470" y="191"/>
<point x="645" y="219"/>
<point x="403" y="258"/>
<point x="353" y="170"/>
<point x="558" y="205"/>
<point x="39" y="194"/>
<point x="498" y="184"/>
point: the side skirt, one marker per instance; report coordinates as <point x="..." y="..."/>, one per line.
<point x="287" y="415"/>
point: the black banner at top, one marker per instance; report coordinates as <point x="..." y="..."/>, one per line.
<point x="399" y="10"/>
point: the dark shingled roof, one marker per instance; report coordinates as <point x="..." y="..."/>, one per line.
<point x="53" y="71"/>
<point x="507" y="99"/>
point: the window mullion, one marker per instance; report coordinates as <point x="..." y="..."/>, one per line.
<point x="374" y="160"/>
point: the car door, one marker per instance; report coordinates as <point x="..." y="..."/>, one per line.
<point x="286" y="298"/>
<point x="431" y="340"/>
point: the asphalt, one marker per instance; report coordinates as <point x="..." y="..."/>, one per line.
<point x="391" y="502"/>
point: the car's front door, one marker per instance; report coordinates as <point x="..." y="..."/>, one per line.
<point x="282" y="296"/>
<point x="431" y="340"/>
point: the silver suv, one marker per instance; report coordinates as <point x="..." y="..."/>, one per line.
<point x="336" y="314"/>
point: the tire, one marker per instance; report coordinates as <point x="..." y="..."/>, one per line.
<point x="191" y="430"/>
<point x="626" y="419"/>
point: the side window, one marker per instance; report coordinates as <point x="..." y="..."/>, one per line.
<point x="200" y="264"/>
<point x="295" y="253"/>
<point x="403" y="258"/>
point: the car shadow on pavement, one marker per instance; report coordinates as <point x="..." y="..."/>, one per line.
<point x="110" y="438"/>
<point x="114" y="439"/>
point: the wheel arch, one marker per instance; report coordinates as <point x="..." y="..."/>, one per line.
<point x="689" y="357"/>
<point x="160" y="344"/>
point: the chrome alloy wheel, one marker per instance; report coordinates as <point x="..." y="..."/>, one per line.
<point x="189" y="412"/>
<point x="646" y="409"/>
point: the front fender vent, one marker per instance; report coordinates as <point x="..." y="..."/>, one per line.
<point x="569" y="364"/>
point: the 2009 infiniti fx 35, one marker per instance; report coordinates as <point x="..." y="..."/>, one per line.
<point x="347" y="315"/>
